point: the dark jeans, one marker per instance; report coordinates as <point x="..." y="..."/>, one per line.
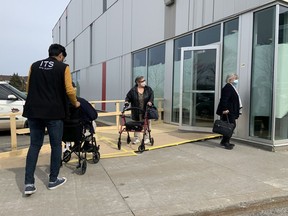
<point x="37" y="132"/>
<point x="226" y="139"/>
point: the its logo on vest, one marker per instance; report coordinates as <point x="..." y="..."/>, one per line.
<point x="46" y="65"/>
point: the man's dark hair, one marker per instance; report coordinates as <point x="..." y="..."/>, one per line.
<point x="56" y="49"/>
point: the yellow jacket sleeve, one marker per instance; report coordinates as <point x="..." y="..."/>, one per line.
<point x="28" y="79"/>
<point x="70" y="91"/>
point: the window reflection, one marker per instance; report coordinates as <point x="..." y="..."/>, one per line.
<point x="150" y="63"/>
<point x="156" y="70"/>
<point x="185" y="41"/>
<point x="281" y="112"/>
<point x="198" y="88"/>
<point x="262" y="73"/>
<point x="139" y="65"/>
<point x="208" y="36"/>
<point x="230" y="48"/>
<point x="76" y="80"/>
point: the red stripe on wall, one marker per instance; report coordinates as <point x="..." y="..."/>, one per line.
<point x="104" y="85"/>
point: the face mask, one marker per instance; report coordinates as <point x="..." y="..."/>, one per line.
<point x="143" y="84"/>
<point x="235" y="82"/>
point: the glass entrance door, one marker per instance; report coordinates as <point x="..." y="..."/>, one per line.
<point x="198" y="74"/>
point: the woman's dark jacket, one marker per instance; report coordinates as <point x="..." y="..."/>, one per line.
<point x="88" y="113"/>
<point x="132" y="97"/>
<point x="229" y="101"/>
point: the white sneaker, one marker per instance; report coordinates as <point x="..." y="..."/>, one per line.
<point x="87" y="133"/>
<point x="146" y="141"/>
<point x="136" y="141"/>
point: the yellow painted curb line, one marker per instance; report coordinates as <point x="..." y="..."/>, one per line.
<point x="182" y="142"/>
<point x="122" y="153"/>
<point x="105" y="156"/>
<point x="115" y="156"/>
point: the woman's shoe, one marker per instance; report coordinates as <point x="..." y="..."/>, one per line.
<point x="229" y="146"/>
<point x="136" y="141"/>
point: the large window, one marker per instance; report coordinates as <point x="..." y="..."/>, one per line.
<point x="139" y="65"/>
<point x="150" y="63"/>
<point x="156" y="70"/>
<point x="281" y="112"/>
<point x="76" y="80"/>
<point x="230" y="48"/>
<point x="185" y="41"/>
<point x="262" y="73"/>
<point x="208" y="36"/>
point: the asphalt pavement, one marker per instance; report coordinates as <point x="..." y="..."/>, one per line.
<point x="199" y="178"/>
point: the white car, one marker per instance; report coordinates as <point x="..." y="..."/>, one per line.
<point x="11" y="100"/>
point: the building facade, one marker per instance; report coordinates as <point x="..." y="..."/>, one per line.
<point x="185" y="49"/>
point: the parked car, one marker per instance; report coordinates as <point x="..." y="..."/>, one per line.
<point x="11" y="100"/>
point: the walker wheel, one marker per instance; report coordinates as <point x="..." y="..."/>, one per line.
<point x="66" y="156"/>
<point x="141" y="148"/>
<point x="119" y="144"/>
<point x="83" y="166"/>
<point x="152" y="141"/>
<point x="96" y="157"/>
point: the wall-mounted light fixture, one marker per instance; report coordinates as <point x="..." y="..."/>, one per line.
<point x="169" y="2"/>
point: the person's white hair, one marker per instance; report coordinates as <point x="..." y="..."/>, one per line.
<point x="231" y="76"/>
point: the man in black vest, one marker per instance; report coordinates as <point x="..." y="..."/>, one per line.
<point x="49" y="84"/>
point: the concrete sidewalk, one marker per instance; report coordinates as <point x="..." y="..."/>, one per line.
<point x="179" y="180"/>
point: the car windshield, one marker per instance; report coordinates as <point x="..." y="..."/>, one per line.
<point x="14" y="91"/>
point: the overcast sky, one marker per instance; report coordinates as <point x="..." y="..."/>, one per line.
<point x="26" y="32"/>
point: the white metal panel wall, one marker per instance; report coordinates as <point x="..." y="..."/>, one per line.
<point x="100" y="40"/>
<point x="91" y="83"/>
<point x="208" y="15"/>
<point x="55" y="33"/>
<point x="204" y="12"/>
<point x="63" y="32"/>
<point x="182" y="16"/>
<point x="127" y="21"/>
<point x="87" y="12"/>
<point x="196" y="13"/>
<point x="111" y="2"/>
<point x="245" y="58"/>
<point x="114" y="30"/>
<point x="69" y="57"/>
<point x="97" y="8"/>
<point x="243" y="5"/>
<point x="126" y="75"/>
<point x="223" y="8"/>
<point x="82" y="48"/>
<point x="256" y="3"/>
<point x="75" y="17"/>
<point x="113" y="81"/>
<point x="147" y="23"/>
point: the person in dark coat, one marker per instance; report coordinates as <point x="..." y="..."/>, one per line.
<point x="229" y="107"/>
<point x="139" y="96"/>
<point x="88" y="115"/>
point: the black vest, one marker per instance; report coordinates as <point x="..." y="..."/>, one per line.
<point x="46" y="97"/>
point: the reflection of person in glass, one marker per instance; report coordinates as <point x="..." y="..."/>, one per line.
<point x="229" y="107"/>
<point x="139" y="96"/>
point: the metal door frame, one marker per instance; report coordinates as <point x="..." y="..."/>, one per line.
<point x="216" y="91"/>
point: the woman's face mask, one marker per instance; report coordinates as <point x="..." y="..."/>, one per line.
<point x="235" y="82"/>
